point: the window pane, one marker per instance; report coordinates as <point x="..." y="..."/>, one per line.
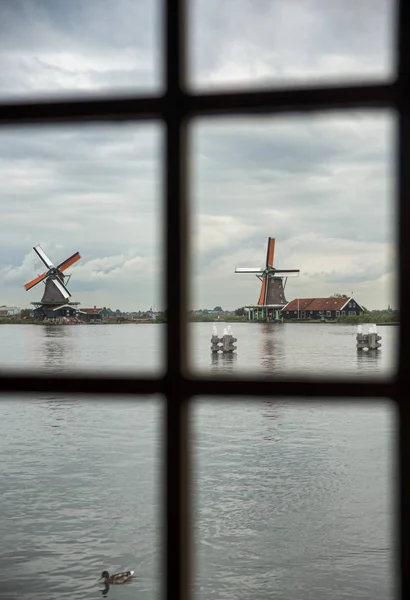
<point x="95" y="190"/>
<point x="295" y="498"/>
<point x="290" y="42"/>
<point x="79" y="482"/>
<point x="322" y="187"/>
<point x="60" y="48"/>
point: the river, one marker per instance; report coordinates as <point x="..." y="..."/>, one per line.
<point x="291" y="500"/>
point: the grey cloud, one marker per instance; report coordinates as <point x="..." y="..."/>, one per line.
<point x="111" y="45"/>
<point x="322" y="185"/>
<point x="293" y="40"/>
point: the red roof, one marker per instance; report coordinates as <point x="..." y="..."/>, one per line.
<point x="317" y="304"/>
<point x="90" y="311"/>
<point x="4" y="313"/>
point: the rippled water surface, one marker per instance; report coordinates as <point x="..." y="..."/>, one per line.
<point x="290" y="501"/>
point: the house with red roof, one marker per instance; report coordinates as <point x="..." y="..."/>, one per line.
<point x="321" y="308"/>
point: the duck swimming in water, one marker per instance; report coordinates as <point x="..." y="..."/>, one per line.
<point x="117" y="578"/>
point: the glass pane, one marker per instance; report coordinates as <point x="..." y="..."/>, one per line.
<point x="95" y="190"/>
<point x="58" y="48"/>
<point x="294" y="243"/>
<point x="295" y="500"/>
<point x="237" y="43"/>
<point x="80" y="495"/>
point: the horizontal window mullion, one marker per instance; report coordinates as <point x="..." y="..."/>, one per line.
<point x="234" y="102"/>
<point x="82" y="110"/>
<point x="310" y="388"/>
<point x="293" y="100"/>
<point x="111" y="385"/>
<point x="92" y="384"/>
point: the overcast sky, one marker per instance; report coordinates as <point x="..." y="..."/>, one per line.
<point x="322" y="185"/>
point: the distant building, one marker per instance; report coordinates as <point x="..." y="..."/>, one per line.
<point x="90" y="315"/>
<point x="318" y="308"/>
<point x="9" y="311"/>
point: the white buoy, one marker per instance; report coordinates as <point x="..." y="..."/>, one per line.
<point x="359" y="329"/>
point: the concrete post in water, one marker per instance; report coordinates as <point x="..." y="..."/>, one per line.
<point x="224" y="343"/>
<point x="214" y="340"/>
<point x="368" y="341"/>
<point x="228" y="340"/>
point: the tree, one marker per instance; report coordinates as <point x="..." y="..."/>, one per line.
<point x="218" y="309"/>
<point x="240" y="312"/>
<point x="26" y="312"/>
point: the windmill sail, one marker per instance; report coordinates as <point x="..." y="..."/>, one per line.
<point x="35" y="281"/>
<point x="40" y="252"/>
<point x="69" y="261"/>
<point x="61" y="288"/>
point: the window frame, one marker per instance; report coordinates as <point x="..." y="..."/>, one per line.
<point x="175" y="108"/>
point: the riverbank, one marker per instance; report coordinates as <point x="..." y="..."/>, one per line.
<point x="363" y="319"/>
<point x="68" y="321"/>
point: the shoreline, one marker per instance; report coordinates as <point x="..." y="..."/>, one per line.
<point x="211" y="322"/>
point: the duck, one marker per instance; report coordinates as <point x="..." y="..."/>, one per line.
<point x="117" y="577"/>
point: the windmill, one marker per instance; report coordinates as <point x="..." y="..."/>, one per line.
<point x="272" y="294"/>
<point x="55" y="300"/>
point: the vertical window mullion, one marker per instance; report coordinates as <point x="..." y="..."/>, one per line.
<point x="177" y="513"/>
<point x="404" y="287"/>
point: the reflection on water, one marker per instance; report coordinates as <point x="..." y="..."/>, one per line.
<point x="65" y="348"/>
<point x="57" y="347"/>
<point x="269" y="347"/>
<point x="224" y="362"/>
<point x="369" y="359"/>
<point x="50" y="347"/>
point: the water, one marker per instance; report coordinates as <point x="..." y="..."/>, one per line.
<point x="294" y="501"/>
<point x="290" y="501"/>
<point x="289" y="349"/>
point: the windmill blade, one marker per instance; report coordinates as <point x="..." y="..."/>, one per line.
<point x="287" y="272"/>
<point x="270" y="252"/>
<point x="61" y="288"/>
<point x="263" y="292"/>
<point x="35" y="281"/>
<point x="69" y="261"/>
<point x="248" y="270"/>
<point x="43" y="256"/>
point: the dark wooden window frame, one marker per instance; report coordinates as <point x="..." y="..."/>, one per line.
<point x="175" y="108"/>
